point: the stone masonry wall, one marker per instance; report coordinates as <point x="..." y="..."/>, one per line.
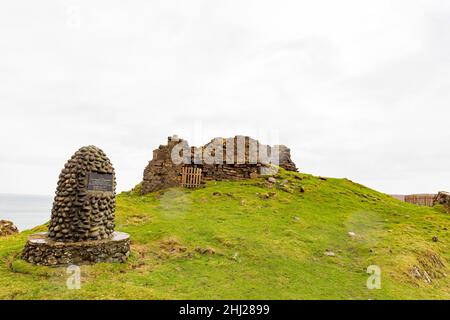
<point x="162" y="172"/>
<point x="40" y="250"/>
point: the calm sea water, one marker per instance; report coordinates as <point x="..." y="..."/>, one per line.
<point x="25" y="211"/>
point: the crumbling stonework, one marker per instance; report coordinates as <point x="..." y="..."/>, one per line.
<point x="221" y="159"/>
<point x="285" y="160"/>
<point x="7" y="228"/>
<point x="81" y="229"/>
<point x="443" y="198"/>
<point x="161" y="171"/>
<point x="79" y="213"/>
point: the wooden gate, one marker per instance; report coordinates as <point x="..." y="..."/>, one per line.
<point x="191" y="177"/>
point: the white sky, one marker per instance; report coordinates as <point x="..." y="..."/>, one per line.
<point x="356" y="89"/>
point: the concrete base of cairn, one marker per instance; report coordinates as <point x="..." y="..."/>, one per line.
<point x="40" y="250"/>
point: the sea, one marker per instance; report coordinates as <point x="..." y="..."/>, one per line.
<point x="26" y="211"/>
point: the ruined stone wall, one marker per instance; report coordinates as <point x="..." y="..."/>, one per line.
<point x="161" y="172"/>
<point x="285" y="160"/>
<point x="443" y="198"/>
<point x="230" y="172"/>
<point x="81" y="210"/>
<point x="248" y="162"/>
<point x="235" y="165"/>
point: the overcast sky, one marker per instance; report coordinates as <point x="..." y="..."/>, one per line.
<point x="356" y="89"/>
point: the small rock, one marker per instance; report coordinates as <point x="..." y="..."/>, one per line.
<point x="267" y="195"/>
<point x="272" y="180"/>
<point x="435" y="239"/>
<point x="216" y="193"/>
<point x="329" y="253"/>
<point x="297" y="218"/>
<point x="286" y="189"/>
<point x="203" y="251"/>
<point x="352" y="234"/>
<point x="7" y="228"/>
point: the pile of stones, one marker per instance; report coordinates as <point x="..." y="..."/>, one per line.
<point x="7" y="228"/>
<point x="78" y="213"/>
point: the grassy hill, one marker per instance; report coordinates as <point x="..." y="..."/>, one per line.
<point x="251" y="239"/>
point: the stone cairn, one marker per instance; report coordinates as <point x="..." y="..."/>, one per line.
<point x="162" y="173"/>
<point x="79" y="213"/>
<point x="81" y="229"/>
<point x="7" y="228"/>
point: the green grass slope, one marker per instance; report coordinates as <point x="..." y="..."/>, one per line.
<point x="250" y="240"/>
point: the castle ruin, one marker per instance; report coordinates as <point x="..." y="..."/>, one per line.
<point x="237" y="158"/>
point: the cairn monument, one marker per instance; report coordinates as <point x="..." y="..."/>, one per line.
<point x="81" y="230"/>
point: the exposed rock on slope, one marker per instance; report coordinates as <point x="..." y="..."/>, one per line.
<point x="7" y="228"/>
